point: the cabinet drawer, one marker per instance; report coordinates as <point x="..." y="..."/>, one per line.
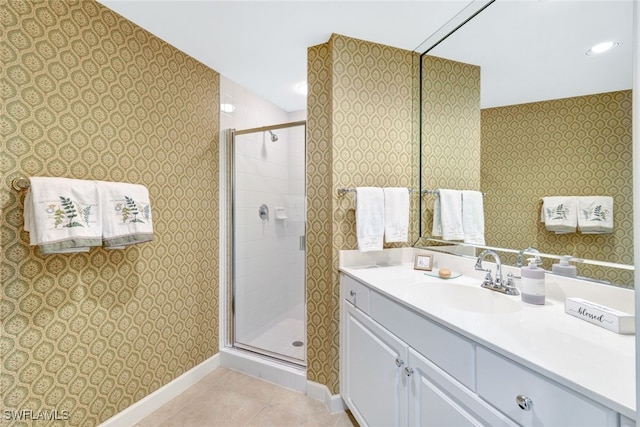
<point x="356" y="293"/>
<point x="501" y="382"/>
<point x="448" y="350"/>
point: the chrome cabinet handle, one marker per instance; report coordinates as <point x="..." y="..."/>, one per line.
<point x="408" y="371"/>
<point x="352" y="293"/>
<point x="399" y="362"/>
<point x="524" y="402"/>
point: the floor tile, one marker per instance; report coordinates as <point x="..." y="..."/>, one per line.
<point x="229" y="398"/>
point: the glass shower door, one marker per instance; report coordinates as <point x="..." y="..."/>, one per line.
<point x="269" y="215"/>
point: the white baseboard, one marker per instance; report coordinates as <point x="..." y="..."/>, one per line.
<point x="263" y="368"/>
<point x="333" y="402"/>
<point x="164" y="394"/>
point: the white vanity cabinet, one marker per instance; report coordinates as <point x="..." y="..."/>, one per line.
<point x="372" y="362"/>
<point x="506" y="385"/>
<point x="400" y="368"/>
<point x="436" y="399"/>
<point x="385" y="382"/>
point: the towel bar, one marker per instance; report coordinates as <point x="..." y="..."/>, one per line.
<point x="438" y="191"/>
<point x="20" y="183"/>
<point x="345" y="191"/>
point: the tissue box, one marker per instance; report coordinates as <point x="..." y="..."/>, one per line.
<point x="608" y="318"/>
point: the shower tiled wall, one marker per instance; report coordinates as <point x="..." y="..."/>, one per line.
<point x="269" y="264"/>
<point x="87" y="94"/>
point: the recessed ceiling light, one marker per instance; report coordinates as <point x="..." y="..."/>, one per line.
<point x="301" y="88"/>
<point x="227" y="108"/>
<point x="602" y="48"/>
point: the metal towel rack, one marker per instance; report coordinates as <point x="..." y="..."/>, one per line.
<point x="438" y="192"/>
<point x="345" y="191"/>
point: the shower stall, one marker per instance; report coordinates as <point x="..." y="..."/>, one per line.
<point x="266" y="307"/>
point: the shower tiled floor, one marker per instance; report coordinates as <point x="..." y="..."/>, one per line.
<point x="279" y="338"/>
<point x="229" y="398"/>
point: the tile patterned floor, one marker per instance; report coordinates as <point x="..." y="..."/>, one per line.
<point x="228" y="398"/>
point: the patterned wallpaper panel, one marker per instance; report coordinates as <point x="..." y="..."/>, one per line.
<point x="450" y="129"/>
<point x="361" y="131"/>
<point x="321" y="326"/>
<point x="574" y="146"/>
<point x="89" y="95"/>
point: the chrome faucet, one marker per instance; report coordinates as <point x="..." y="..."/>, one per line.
<point x="508" y="288"/>
<point x="530" y="249"/>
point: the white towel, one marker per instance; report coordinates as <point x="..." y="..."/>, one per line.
<point x="560" y="214"/>
<point x="396" y="214"/>
<point x="62" y="215"/>
<point x="126" y="214"/>
<point x="473" y="217"/>
<point x="447" y="215"/>
<point x="370" y="218"/>
<point x="595" y="214"/>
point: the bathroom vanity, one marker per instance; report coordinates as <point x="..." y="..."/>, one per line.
<point x="418" y="350"/>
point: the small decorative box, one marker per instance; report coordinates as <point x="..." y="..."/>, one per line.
<point x="608" y="318"/>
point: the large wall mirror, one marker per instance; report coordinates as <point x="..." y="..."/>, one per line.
<point x="513" y="106"/>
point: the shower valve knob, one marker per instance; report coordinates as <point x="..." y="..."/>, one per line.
<point x="263" y="212"/>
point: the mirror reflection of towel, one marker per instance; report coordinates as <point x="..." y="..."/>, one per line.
<point x="595" y="214"/>
<point x="560" y="214"/>
<point x="473" y="217"/>
<point x="447" y="215"/>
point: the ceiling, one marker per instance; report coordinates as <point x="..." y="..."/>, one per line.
<point x="262" y="44"/>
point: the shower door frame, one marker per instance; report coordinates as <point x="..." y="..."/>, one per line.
<point x="231" y="245"/>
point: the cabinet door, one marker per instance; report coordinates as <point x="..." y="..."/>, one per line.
<point x="372" y="383"/>
<point x="436" y="399"/>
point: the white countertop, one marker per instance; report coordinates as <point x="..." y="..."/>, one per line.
<point x="584" y="357"/>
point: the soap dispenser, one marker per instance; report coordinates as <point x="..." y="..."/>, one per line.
<point x="533" y="289"/>
<point x="563" y="268"/>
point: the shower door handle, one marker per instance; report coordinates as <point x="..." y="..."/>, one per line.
<point x="303" y="243"/>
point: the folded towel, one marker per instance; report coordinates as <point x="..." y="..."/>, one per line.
<point x="370" y="218"/>
<point x="595" y="214"/>
<point x="396" y="214"/>
<point x="447" y="215"/>
<point x="62" y="215"/>
<point x="560" y="214"/>
<point x="126" y="214"/>
<point x="473" y="217"/>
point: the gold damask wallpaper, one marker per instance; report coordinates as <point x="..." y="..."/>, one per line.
<point x="574" y="146"/>
<point x="89" y="95"/>
<point x="321" y="308"/>
<point x="362" y="130"/>
<point x="450" y="129"/>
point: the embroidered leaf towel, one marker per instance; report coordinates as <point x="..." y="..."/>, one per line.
<point x="126" y="214"/>
<point x="62" y="215"/>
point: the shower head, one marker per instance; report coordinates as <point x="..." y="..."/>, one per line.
<point x="274" y="137"/>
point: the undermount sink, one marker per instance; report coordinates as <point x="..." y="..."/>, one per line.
<point x="479" y="300"/>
